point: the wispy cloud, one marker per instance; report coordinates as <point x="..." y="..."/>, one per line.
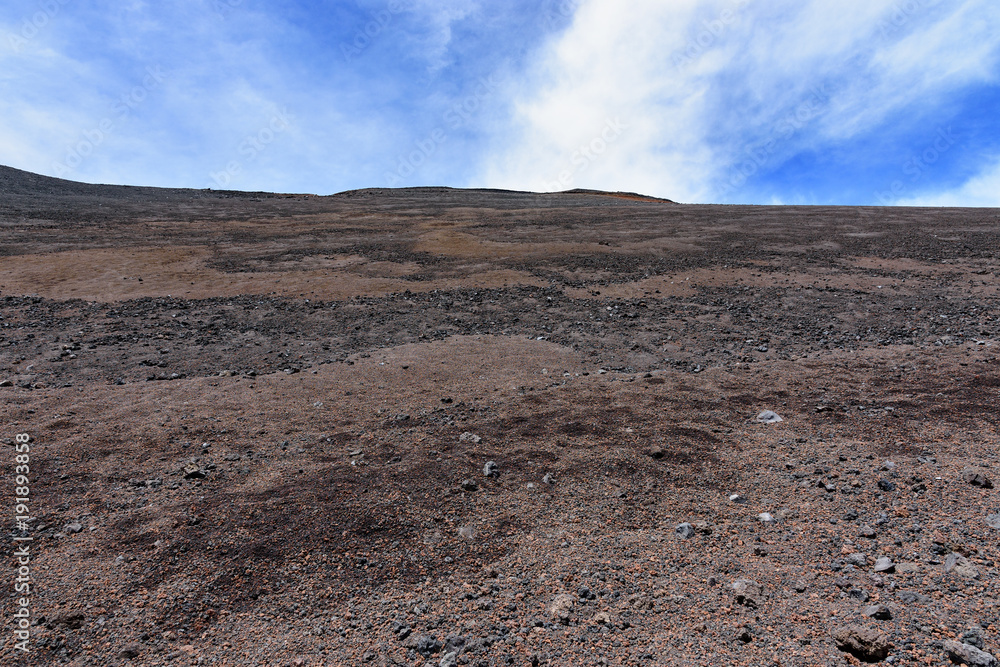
<point x="722" y="94"/>
<point x="981" y="190"/>
<point x="695" y="100"/>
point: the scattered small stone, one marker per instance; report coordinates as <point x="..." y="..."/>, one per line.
<point x="976" y="478"/>
<point x="974" y="637"/>
<point x="858" y="594"/>
<point x="863" y="643"/>
<point x="6" y="383"/>
<point x="738" y="499"/>
<point x="469" y="485"/>
<point x="70" y="618"/>
<point x="879" y="612"/>
<point x="402" y="631"/>
<point x="993" y="521"/>
<point x="910" y="597"/>
<point x="72" y="528"/>
<point x="491" y="469"/>
<point x="454" y="644"/>
<point x="885" y="564"/>
<point x="748" y="593"/>
<point x="767" y="519"/>
<point x="856" y="559"/>
<point x="685" y="531"/>
<point x="130" y="651"/>
<point x="886" y="485"/>
<point x="449" y="660"/>
<point x="425" y="645"/>
<point x="961" y="566"/>
<point x="769" y="417"/>
<point x="966" y="654"/>
<point x="470" y="437"/>
<point x="548" y="479"/>
<point x="867" y="532"/>
<point x="192" y="471"/>
<point x="561" y="607"/>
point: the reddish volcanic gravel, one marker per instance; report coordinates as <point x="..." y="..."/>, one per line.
<point x="442" y="427"/>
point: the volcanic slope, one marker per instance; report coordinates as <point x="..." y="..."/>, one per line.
<point x="261" y="425"/>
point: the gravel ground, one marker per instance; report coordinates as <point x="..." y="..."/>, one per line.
<point x="443" y="427"/>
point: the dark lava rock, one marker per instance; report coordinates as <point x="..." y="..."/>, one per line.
<point x="454" y="643"/>
<point x="879" y="612"/>
<point x="748" y="593"/>
<point x="71" y="618"/>
<point x="885" y="564"/>
<point x="130" y="651"/>
<point x="192" y="471"/>
<point x="858" y="594"/>
<point x="976" y="478"/>
<point x="966" y="654"/>
<point x="863" y="643"/>
<point x="425" y="645"/>
<point x="911" y="597"/>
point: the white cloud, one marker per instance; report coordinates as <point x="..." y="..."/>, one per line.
<point x="432" y="35"/>
<point x="605" y="108"/>
<point x="712" y="87"/>
<point x="221" y="87"/>
<point x="982" y="190"/>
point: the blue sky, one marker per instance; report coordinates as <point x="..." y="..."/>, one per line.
<point x="887" y="102"/>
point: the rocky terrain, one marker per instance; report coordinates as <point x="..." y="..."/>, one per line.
<point x="475" y="427"/>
